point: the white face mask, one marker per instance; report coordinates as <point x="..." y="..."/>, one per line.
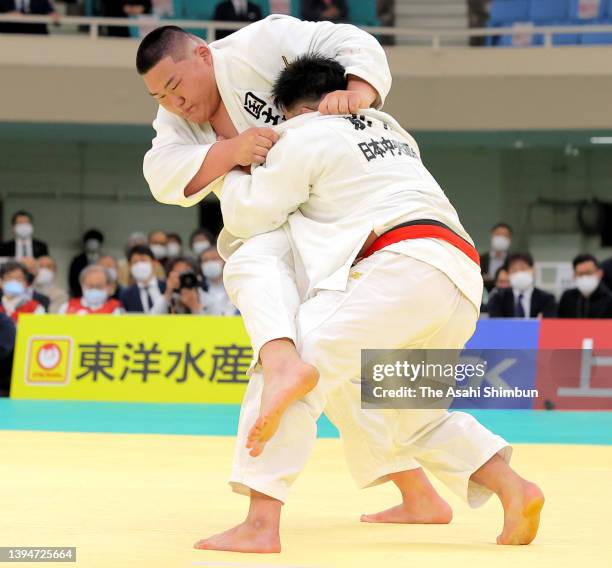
<point x="200" y="246"/>
<point x="174" y="249"/>
<point x="94" y="296"/>
<point x="112" y="274"/>
<point x="24" y="230"/>
<point x="159" y="251"/>
<point x="14" y="288"/>
<point x="45" y="277"/>
<point x="212" y="269"/>
<point x="500" y="243"/>
<point x="522" y="280"/>
<point x="141" y="271"/>
<point x="587" y="284"/>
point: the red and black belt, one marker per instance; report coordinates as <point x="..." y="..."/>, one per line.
<point x="423" y="229"/>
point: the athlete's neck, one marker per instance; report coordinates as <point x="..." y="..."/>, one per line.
<point x="222" y="123"/>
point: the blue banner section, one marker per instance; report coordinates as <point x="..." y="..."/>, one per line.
<point x="509" y="348"/>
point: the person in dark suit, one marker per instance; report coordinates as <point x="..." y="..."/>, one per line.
<point x="92" y="246"/>
<point x="34" y="7"/>
<point x="23" y="245"/>
<point x="493" y="259"/>
<point x="235" y="11"/>
<point x="7" y="346"/>
<point x="331" y="10"/>
<point x="606" y="266"/>
<point x="591" y="298"/>
<point x="147" y="294"/>
<point x="123" y="9"/>
<point x="522" y="299"/>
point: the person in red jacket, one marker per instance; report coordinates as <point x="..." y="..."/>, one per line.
<point x="16" y="294"/>
<point x="96" y="284"/>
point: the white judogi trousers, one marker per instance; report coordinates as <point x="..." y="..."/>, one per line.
<point x="392" y="301"/>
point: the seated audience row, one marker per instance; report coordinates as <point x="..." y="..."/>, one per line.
<point x="515" y="295"/>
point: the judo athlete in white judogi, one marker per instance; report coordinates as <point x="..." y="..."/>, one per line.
<point x="215" y="113"/>
<point x="338" y="182"/>
<point x="202" y="93"/>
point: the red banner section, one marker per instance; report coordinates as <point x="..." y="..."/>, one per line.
<point x="574" y="369"/>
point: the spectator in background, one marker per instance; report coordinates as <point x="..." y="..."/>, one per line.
<point x="174" y="247"/>
<point x="478" y="13"/>
<point x="46" y="283"/>
<point x="331" y="10"/>
<point x="216" y="300"/>
<point x="147" y="294"/>
<point x="591" y="298"/>
<point x="16" y="297"/>
<point x="158" y="243"/>
<point x="32" y="268"/>
<point x="135" y="238"/>
<point x="493" y="259"/>
<point x="385" y="12"/>
<point x="32" y="7"/>
<point x="112" y="268"/>
<point x="235" y="11"/>
<point x="502" y="278"/>
<point x="23" y="244"/>
<point x="184" y="293"/>
<point x="606" y="266"/>
<point x="201" y="240"/>
<point x="7" y="346"/>
<point x="522" y="299"/>
<point x="92" y="247"/>
<point x="96" y="285"/>
<point x="123" y="9"/>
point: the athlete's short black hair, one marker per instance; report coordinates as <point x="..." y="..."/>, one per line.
<point x="158" y="44"/>
<point x="307" y="79"/>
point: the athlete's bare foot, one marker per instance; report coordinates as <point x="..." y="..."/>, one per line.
<point x="258" y="533"/>
<point x="426" y="511"/>
<point x="522" y="514"/>
<point x="286" y="379"/>
<point x="244" y="537"/>
<point x="421" y="503"/>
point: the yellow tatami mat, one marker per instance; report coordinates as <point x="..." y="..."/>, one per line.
<point x="143" y="500"/>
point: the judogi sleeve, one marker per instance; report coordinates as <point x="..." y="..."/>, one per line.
<point x="174" y="158"/>
<point x="358" y="51"/>
<point x="262" y="201"/>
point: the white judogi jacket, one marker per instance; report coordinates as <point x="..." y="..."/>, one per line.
<point x="334" y="179"/>
<point x="246" y="65"/>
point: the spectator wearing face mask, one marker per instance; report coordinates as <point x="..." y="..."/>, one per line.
<point x="591" y="298"/>
<point x="92" y="250"/>
<point x="200" y="241"/>
<point x="31" y="265"/>
<point x="45" y="283"/>
<point x="216" y="300"/>
<point x="96" y="285"/>
<point x="174" y="247"/>
<point x="23" y="243"/>
<point x="135" y="238"/>
<point x="158" y="243"/>
<point x="522" y="299"/>
<point x="492" y="260"/>
<point x="7" y="346"/>
<point x="112" y="268"/>
<point x="16" y="295"/>
<point x="147" y="294"/>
